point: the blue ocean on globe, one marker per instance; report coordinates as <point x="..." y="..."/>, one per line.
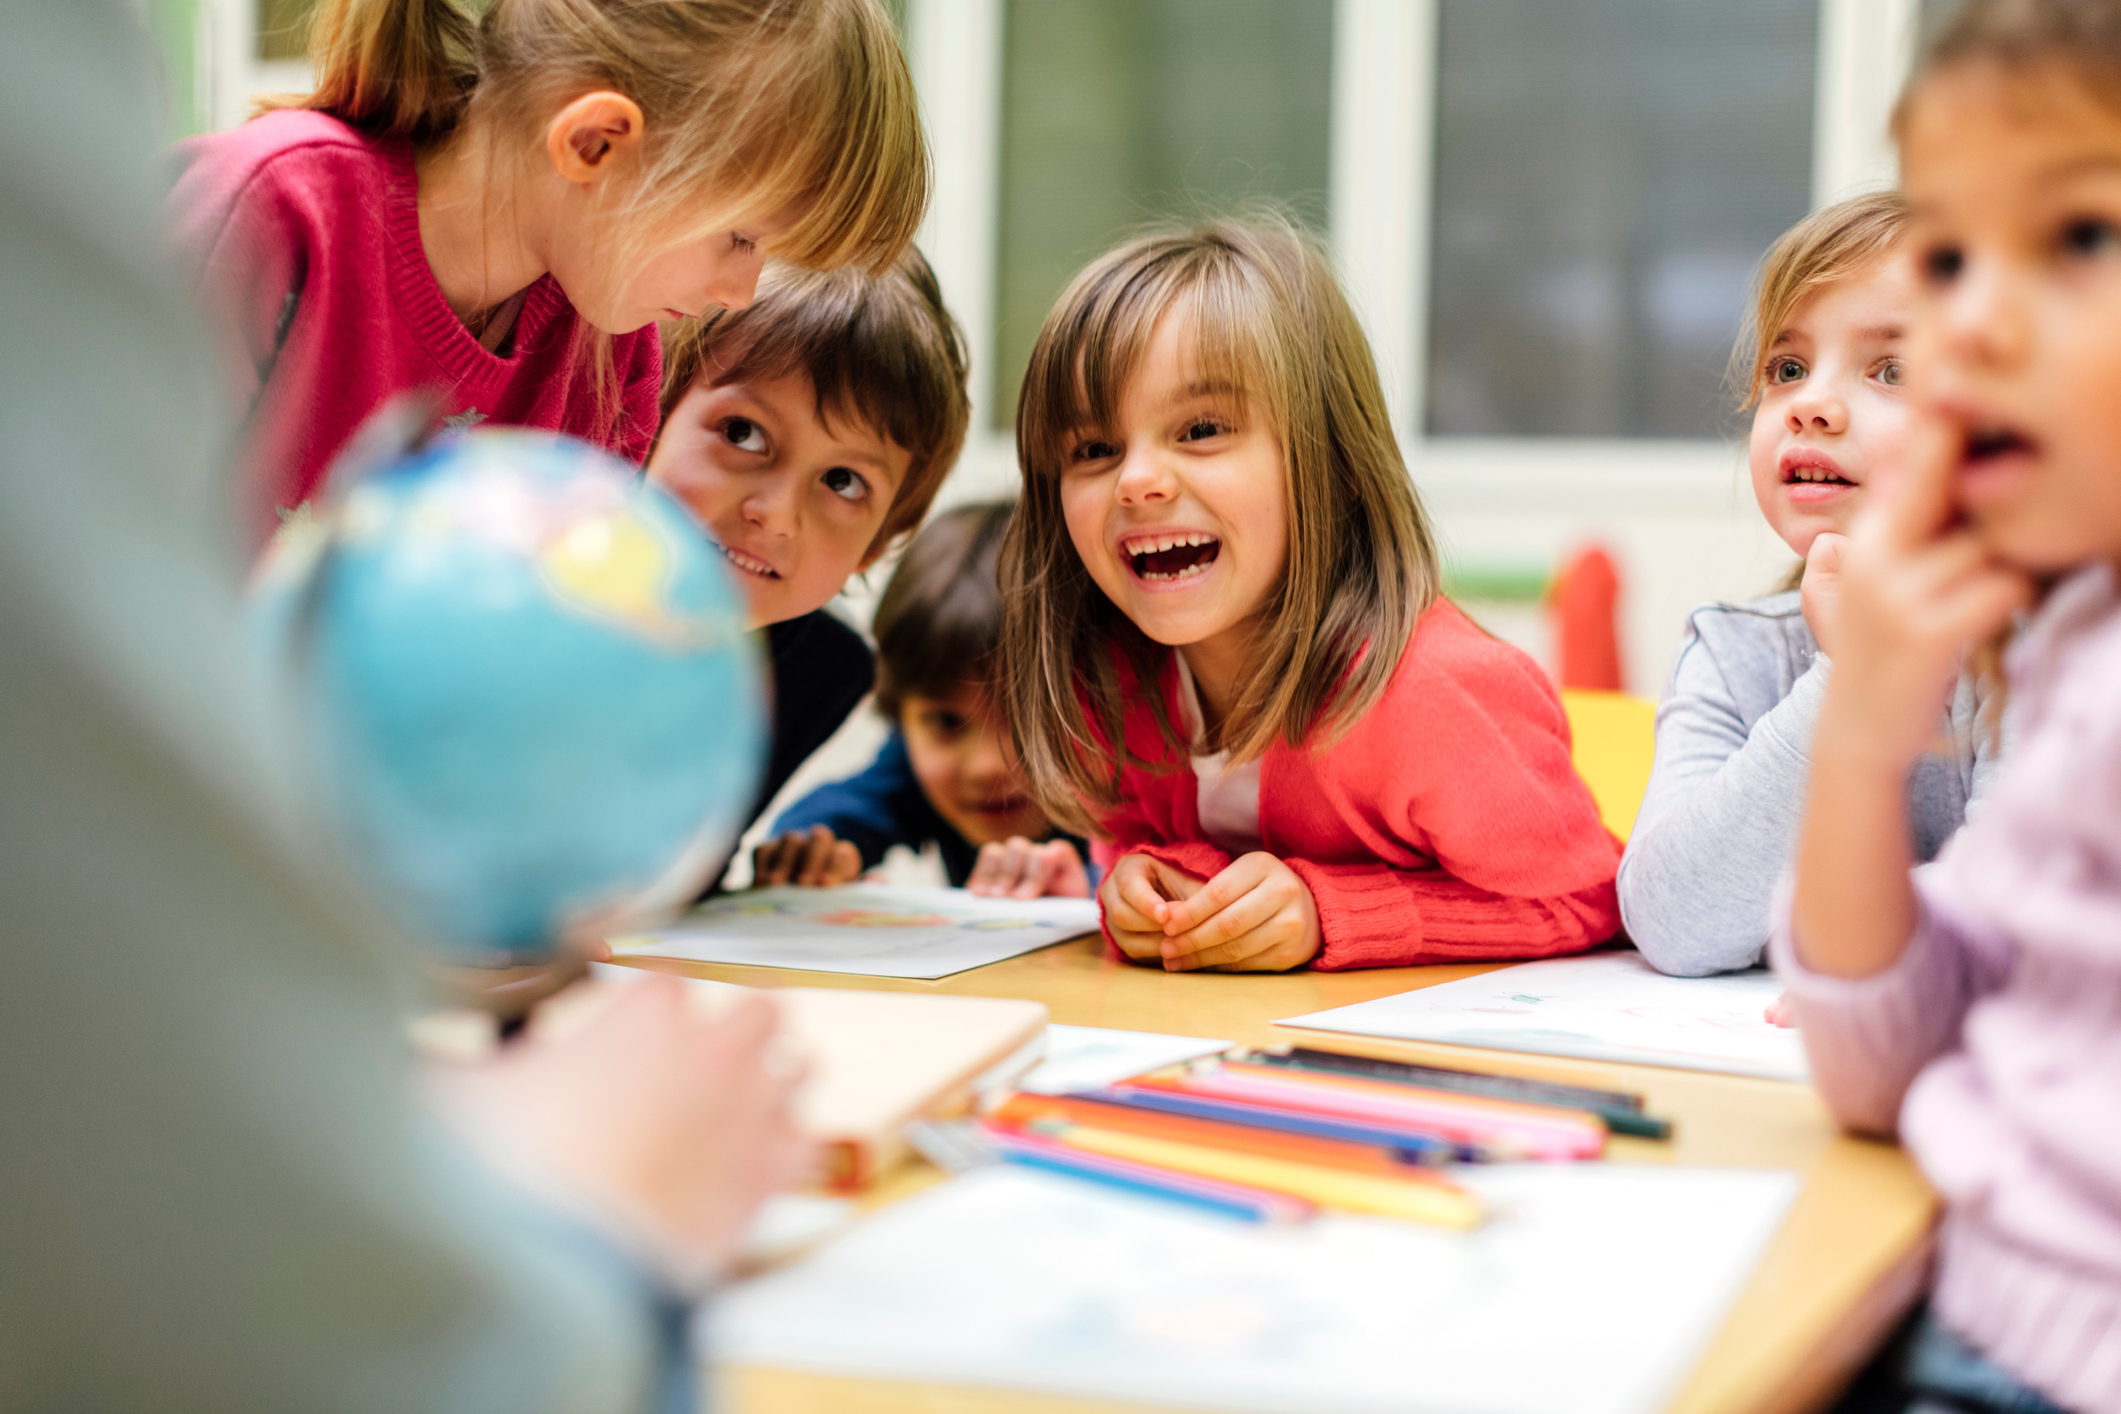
<point x="535" y="706"/>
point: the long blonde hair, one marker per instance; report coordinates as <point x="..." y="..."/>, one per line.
<point x="748" y="106"/>
<point x="1268" y="319"/>
<point x="1824" y="248"/>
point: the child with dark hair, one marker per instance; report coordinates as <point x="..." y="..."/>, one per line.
<point x="809" y="432"/>
<point x="949" y="772"/>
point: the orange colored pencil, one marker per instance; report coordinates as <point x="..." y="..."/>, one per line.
<point x="1023" y="1113"/>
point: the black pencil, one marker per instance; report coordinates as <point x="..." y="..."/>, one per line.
<point x="1621" y="1112"/>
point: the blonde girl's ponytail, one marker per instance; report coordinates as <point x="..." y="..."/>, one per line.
<point x="402" y="67"/>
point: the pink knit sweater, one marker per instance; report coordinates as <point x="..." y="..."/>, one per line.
<point x="1447" y="824"/>
<point x="304" y="236"/>
<point x="1994" y="1044"/>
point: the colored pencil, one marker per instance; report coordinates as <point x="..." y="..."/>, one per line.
<point x="1419" y="1197"/>
<point x="1540" y="1133"/>
<point x="1621" y="1112"/>
<point x="1412" y="1146"/>
<point x="1033" y="1114"/>
<point x="1233" y="1200"/>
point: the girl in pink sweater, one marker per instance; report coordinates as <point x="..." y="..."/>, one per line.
<point x="500" y="208"/>
<point x="1226" y="652"/>
<point x="1976" y="1009"/>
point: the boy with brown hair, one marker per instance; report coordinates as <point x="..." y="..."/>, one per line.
<point x="809" y="432"/>
<point x="948" y="775"/>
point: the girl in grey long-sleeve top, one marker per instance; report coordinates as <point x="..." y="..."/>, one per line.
<point x="1719" y="822"/>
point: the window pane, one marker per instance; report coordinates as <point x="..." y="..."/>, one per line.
<point x="1607" y="172"/>
<point x="1118" y="112"/>
<point x="283" y="28"/>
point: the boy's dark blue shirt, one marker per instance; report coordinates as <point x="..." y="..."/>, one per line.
<point x="881" y="807"/>
<point x="821" y="671"/>
<point x="884" y="806"/>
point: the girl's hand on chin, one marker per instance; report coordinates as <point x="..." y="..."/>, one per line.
<point x="1255" y="916"/>
<point x="1915" y="592"/>
<point x="1821" y="591"/>
<point x="1130" y="895"/>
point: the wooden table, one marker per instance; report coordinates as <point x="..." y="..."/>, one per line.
<point x="1849" y="1261"/>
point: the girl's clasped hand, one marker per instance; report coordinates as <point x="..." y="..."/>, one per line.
<point x="1255" y="916"/>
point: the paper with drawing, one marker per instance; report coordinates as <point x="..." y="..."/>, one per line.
<point x="1605" y="1006"/>
<point x="867" y="929"/>
<point x="1592" y="1291"/>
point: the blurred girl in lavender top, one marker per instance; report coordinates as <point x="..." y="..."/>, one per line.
<point x="1975" y="1006"/>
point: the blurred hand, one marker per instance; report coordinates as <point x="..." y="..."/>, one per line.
<point x="1255" y="916"/>
<point x="1915" y="591"/>
<point x="675" y="1123"/>
<point x="812" y="859"/>
<point x="1780" y="1013"/>
<point x="1017" y="868"/>
<point x="1132" y="891"/>
<point x="1820" y="592"/>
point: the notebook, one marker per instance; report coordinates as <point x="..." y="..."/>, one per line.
<point x="870" y="930"/>
<point x="878" y="1060"/>
<point x="1607" y="1006"/>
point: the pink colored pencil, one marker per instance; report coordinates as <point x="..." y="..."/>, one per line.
<point x="1533" y="1132"/>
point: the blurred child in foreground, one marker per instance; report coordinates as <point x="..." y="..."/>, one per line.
<point x="1974" y="1006"/>
<point x="949" y="773"/>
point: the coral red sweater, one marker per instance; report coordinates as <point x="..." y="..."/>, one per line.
<point x="304" y="237"/>
<point x="1447" y="824"/>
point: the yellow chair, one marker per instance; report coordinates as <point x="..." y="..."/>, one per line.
<point x="1614" y="737"/>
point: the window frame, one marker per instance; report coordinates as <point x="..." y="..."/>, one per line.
<point x="1382" y="136"/>
<point x="1382" y="139"/>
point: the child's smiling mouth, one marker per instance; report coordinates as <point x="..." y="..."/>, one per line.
<point x="749" y="564"/>
<point x="1171" y="558"/>
<point x="1813" y="476"/>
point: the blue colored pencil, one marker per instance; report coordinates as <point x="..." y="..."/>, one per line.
<point x="1228" y="1200"/>
<point x="1410" y="1145"/>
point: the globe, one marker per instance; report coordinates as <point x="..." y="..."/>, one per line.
<point x="536" y="712"/>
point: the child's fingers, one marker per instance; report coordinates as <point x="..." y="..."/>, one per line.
<point x="1982" y="604"/>
<point x="990" y="877"/>
<point x="1825" y="554"/>
<point x="1232" y="884"/>
<point x="1061" y="873"/>
<point x="773" y="860"/>
<point x="816" y="858"/>
<point x="1129" y="898"/>
<point x="1212" y="940"/>
<point x="846" y="865"/>
<point x="1914" y="504"/>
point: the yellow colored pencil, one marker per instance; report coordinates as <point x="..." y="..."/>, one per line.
<point x="1418" y="1199"/>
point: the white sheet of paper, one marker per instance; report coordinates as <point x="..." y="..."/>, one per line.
<point x="1606" y="1006"/>
<point x="787" y="1223"/>
<point x="871" y="930"/>
<point x="1591" y="1291"/>
<point x="1091" y="1057"/>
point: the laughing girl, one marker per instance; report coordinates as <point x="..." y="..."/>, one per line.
<point x="1226" y="653"/>
<point x="1719" y="822"/>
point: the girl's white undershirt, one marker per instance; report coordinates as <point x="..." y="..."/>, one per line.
<point x="1229" y="795"/>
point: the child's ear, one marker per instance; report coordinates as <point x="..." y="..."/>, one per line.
<point x="593" y="136"/>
